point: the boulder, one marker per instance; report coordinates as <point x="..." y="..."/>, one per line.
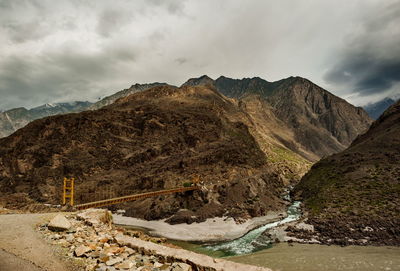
<point x="96" y="216"/>
<point x="114" y="261"/>
<point x="181" y="267"/>
<point x="124" y="265"/>
<point x="59" y="223"/>
<point x="79" y="251"/>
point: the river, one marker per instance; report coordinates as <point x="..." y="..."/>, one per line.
<point x="254" y="240"/>
<point x="257" y="249"/>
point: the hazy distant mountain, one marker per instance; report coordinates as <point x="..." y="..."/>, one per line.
<point x="353" y="196"/>
<point x="320" y="122"/>
<point x="374" y="110"/>
<point x="14" y="119"/>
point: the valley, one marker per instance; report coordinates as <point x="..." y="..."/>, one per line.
<point x="248" y="141"/>
<point x="171" y="135"/>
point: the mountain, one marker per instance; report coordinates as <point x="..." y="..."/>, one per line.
<point x="14" y="119"/>
<point x="353" y="196"/>
<point x="123" y="93"/>
<point x="374" y="110"/>
<point x="154" y="139"/>
<point x="319" y="122"/>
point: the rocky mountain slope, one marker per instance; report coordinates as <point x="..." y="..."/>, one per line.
<point x="123" y="93"/>
<point x="155" y="139"/>
<point x="316" y="122"/>
<point x="14" y="119"/>
<point x="353" y="196"/>
<point x="374" y="110"/>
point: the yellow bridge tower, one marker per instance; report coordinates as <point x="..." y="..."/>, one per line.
<point x="68" y="191"/>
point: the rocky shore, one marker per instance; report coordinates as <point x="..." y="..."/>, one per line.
<point x="327" y="232"/>
<point x="94" y="243"/>
<point x="215" y="229"/>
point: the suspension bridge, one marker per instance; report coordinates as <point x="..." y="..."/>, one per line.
<point x="69" y="193"/>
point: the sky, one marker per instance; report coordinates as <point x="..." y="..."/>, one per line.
<point x="60" y="51"/>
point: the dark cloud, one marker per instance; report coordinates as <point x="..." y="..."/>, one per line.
<point x="370" y="62"/>
<point x="181" y="60"/>
<point x="63" y="75"/>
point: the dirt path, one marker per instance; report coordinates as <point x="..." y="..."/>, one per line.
<point x="22" y="248"/>
<point x="10" y="262"/>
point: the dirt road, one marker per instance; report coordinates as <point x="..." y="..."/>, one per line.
<point x="22" y="248"/>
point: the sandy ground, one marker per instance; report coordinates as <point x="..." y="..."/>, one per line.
<point x="22" y="248"/>
<point x="10" y="262"/>
<point x="305" y="257"/>
<point x="213" y="229"/>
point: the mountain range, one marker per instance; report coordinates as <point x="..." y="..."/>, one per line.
<point x="374" y="110"/>
<point x="14" y="119"/>
<point x="248" y="139"/>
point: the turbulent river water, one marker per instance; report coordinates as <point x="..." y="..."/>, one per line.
<point x="254" y="240"/>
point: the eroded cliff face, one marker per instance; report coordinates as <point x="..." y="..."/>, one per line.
<point x="353" y="196"/>
<point x="312" y="122"/>
<point x="322" y="123"/>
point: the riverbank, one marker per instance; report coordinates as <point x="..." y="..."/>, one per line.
<point x="312" y="257"/>
<point x="212" y="230"/>
<point x="89" y="239"/>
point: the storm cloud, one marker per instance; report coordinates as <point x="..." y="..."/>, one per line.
<point x="369" y="64"/>
<point x="56" y="51"/>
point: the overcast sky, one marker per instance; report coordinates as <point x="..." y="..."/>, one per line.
<point x="55" y="51"/>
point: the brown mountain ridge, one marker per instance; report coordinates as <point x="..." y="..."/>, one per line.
<point x="155" y="139"/>
<point x="353" y="196"/>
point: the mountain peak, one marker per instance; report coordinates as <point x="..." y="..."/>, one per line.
<point x="202" y="80"/>
<point x="374" y="110"/>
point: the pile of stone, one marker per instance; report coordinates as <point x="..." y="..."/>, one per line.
<point x="90" y="237"/>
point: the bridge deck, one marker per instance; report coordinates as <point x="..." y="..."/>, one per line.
<point x="112" y="201"/>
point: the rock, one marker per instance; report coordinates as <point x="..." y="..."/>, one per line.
<point x="79" y="251"/>
<point x="112" y="250"/>
<point x="59" y="223"/>
<point x="304" y="226"/>
<point x="158" y="265"/>
<point x="114" y="261"/>
<point x="93" y="254"/>
<point x="69" y="238"/>
<point x="96" y="216"/>
<point x="129" y="251"/>
<point x="181" y="267"/>
<point x="124" y="265"/>
<point x="63" y="243"/>
<point x="56" y="236"/>
<point x="104" y="257"/>
<point x="162" y="266"/>
<point x="368" y="229"/>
